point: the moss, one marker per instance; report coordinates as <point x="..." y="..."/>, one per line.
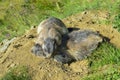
<point x="17" y="73"/>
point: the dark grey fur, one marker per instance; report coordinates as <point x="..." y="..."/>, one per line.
<point x="49" y="46"/>
<point x="37" y="50"/>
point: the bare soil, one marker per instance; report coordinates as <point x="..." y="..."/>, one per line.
<point x="19" y="51"/>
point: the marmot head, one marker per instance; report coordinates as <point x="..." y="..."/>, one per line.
<point x="37" y="50"/>
<point x="49" y="47"/>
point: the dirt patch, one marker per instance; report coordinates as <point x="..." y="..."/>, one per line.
<point x="19" y="51"/>
<point x="92" y="20"/>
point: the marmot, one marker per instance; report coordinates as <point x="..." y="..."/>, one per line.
<point x="50" y="33"/>
<point x="80" y="44"/>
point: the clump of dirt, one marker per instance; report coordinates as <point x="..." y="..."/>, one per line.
<point x="19" y="51"/>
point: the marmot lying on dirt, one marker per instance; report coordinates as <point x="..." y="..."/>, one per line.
<point x="80" y="44"/>
<point x="75" y="45"/>
<point x="50" y="32"/>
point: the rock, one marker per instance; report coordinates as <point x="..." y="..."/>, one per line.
<point x="5" y="44"/>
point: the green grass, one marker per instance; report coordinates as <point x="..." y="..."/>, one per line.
<point x="107" y="72"/>
<point x="105" y="54"/>
<point x="16" y="16"/>
<point x="104" y="64"/>
<point x="116" y="22"/>
<point x="17" y="73"/>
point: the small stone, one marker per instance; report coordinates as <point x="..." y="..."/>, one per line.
<point x="12" y="65"/>
<point x="5" y="45"/>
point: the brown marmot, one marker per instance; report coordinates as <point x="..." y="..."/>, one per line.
<point x="80" y="44"/>
<point x="50" y="33"/>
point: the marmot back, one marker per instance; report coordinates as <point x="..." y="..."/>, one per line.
<point x="53" y="22"/>
<point x="80" y="44"/>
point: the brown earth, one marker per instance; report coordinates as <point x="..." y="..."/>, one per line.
<point x="19" y="51"/>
